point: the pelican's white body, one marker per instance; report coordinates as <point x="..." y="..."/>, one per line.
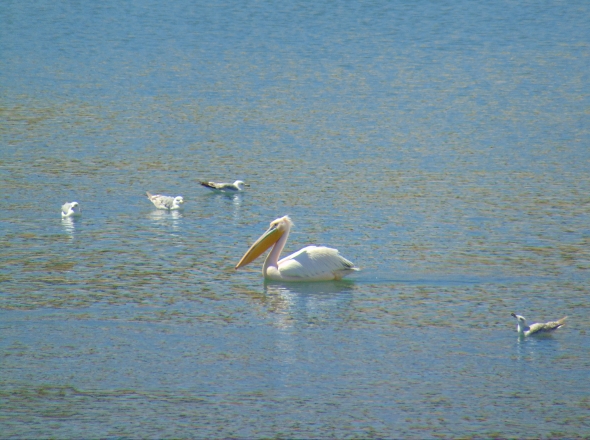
<point x="312" y="263"/>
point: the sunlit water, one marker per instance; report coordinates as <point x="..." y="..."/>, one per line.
<point x="443" y="148"/>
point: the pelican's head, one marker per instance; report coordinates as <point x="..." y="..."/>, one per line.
<point x="178" y="200"/>
<point x="276" y="230"/>
<point x="240" y="184"/>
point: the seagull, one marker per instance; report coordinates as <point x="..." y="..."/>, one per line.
<point x="69" y="209"/>
<point x="237" y="186"/>
<point x="525" y="330"/>
<point x="166" y="202"/>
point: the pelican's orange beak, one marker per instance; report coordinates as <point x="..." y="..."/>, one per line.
<point x="269" y="238"/>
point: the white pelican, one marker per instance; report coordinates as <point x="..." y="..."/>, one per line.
<point x="69" y="209"/>
<point x="238" y="185"/>
<point x="525" y="330"/>
<point x="312" y="263"/>
<point x="166" y="202"/>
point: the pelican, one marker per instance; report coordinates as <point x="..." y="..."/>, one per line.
<point x="69" y="209"/>
<point x="525" y="330"/>
<point x="166" y="202"/>
<point x="312" y="263"/>
<point x="237" y="186"/>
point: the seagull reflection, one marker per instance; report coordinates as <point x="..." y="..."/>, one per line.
<point x="219" y="201"/>
<point x="165" y="218"/>
<point x="68" y="223"/>
<point x="532" y="351"/>
<point x="237" y="204"/>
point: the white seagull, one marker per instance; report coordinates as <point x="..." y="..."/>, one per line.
<point x="312" y="263"/>
<point x="69" y="209"/>
<point x="537" y="328"/>
<point x="237" y="186"/>
<point x="166" y="202"/>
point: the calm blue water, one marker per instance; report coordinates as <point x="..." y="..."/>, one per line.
<point x="442" y="147"/>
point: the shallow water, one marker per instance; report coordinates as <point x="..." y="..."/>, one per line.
<point x="442" y="148"/>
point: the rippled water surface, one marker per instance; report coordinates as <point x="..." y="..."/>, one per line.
<point x="442" y="147"/>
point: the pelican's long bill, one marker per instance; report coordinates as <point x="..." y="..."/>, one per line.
<point x="270" y="237"/>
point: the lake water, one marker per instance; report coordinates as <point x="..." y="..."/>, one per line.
<point x="443" y="147"/>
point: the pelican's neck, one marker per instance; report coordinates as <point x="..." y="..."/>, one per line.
<point x="272" y="259"/>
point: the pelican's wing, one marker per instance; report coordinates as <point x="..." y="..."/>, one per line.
<point x="547" y="327"/>
<point x="314" y="262"/>
<point x="66" y="207"/>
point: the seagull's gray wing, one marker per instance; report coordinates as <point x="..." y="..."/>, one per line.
<point x="547" y="326"/>
<point x="210" y="185"/>
<point x="165" y="201"/>
<point x="220" y="186"/>
<point x="161" y="202"/>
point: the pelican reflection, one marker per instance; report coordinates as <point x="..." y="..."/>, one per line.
<point x="308" y="303"/>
